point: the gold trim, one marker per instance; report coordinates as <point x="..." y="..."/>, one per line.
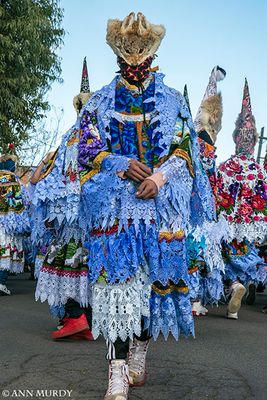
<point x="180" y="153"/>
<point x="161" y="161"/>
<point x="99" y="158"/>
<point x="87" y="176"/>
<point x="169" y="289"/>
<point x="172" y="235"/>
<point x="50" y="166"/>
<point x="183" y="154"/>
<point x="96" y="167"/>
<point x="181" y="289"/>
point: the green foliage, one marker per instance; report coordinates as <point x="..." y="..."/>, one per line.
<point x="30" y="34"/>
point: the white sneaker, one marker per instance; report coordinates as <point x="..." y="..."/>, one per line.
<point x="118" y="384"/>
<point x="237" y="293"/>
<point x="198" y="309"/>
<point x="4" y="291"/>
<point x="232" y="315"/>
<point x="137" y="362"/>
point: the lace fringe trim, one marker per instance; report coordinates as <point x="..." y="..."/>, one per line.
<point x="58" y="289"/>
<point x="7" y="264"/>
<point x="119" y="308"/>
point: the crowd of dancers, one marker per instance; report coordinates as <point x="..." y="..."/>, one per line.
<point x="130" y="227"/>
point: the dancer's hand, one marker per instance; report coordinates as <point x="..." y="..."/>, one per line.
<point x="147" y="190"/>
<point x="138" y="171"/>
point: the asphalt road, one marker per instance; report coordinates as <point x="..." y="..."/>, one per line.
<point x="226" y="361"/>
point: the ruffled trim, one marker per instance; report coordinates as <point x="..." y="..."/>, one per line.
<point x="256" y="232"/>
<point x="193" y="285"/>
<point x="15" y="223"/>
<point x="107" y="198"/>
<point x="12" y="259"/>
<point x="173" y="200"/>
<point x="170" y="314"/>
<point x="57" y="286"/>
<point x="211" y="288"/>
<point x="120" y="254"/>
<point x="262" y="273"/>
<point x="118" y="309"/>
<point x="15" y="267"/>
<point x="38" y="265"/>
<point x="213" y="233"/>
<point x="11" y="241"/>
<point x="57" y="197"/>
<point x="113" y="200"/>
<point x="246" y="268"/>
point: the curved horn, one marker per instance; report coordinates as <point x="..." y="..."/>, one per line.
<point x="127" y="22"/>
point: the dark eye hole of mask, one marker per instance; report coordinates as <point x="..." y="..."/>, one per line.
<point x="141" y="51"/>
<point x="127" y="51"/>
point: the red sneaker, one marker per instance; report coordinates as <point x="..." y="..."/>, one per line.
<point x="71" y="326"/>
<point x="84" y="335"/>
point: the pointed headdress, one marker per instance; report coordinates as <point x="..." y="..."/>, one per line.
<point x="85" y="94"/>
<point x="209" y="115"/>
<point x="85" y="87"/>
<point x="245" y="134"/>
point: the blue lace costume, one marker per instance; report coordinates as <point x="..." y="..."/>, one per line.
<point x="206" y="284"/>
<point x="14" y="219"/>
<point x="60" y="264"/>
<point x="138" y="263"/>
<point x="140" y="244"/>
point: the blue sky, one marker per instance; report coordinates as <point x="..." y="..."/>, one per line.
<point x="199" y="35"/>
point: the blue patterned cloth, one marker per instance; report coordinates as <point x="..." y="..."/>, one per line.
<point x="109" y="201"/>
<point x="246" y="266"/>
<point x="85" y="197"/>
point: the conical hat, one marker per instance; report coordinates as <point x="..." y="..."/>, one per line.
<point x="245" y="133"/>
<point x="85" y="87"/>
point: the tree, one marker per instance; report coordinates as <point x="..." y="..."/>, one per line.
<point x="43" y="139"/>
<point x="30" y="34"/>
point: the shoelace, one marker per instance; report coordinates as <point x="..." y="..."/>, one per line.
<point x="119" y="380"/>
<point x="137" y="357"/>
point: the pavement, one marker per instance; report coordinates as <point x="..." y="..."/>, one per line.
<point x="226" y="361"/>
